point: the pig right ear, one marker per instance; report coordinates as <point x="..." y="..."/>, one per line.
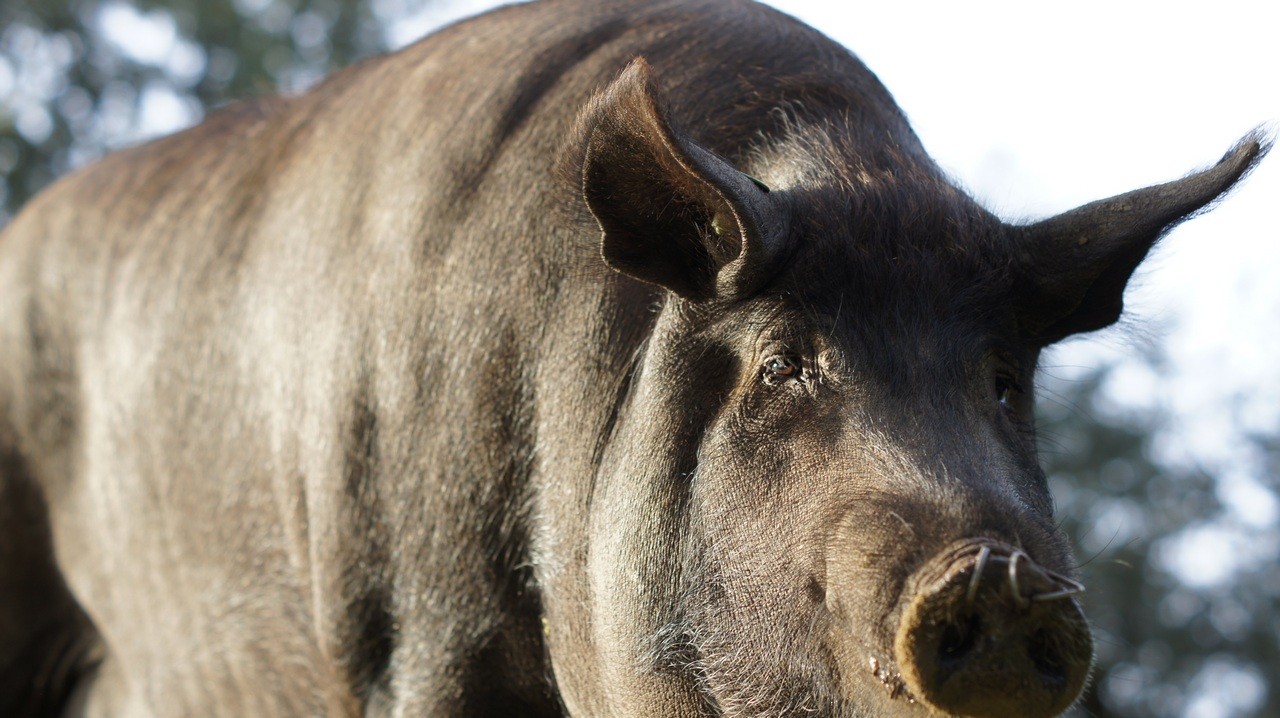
<point x="1073" y="268"/>
<point x="672" y="213"/>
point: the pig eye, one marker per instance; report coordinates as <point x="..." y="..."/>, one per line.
<point x="782" y="368"/>
<point x="1007" y="390"/>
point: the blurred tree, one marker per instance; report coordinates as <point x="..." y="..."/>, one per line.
<point x="1183" y="596"/>
<point x="81" y="77"/>
<point x="1184" y="593"/>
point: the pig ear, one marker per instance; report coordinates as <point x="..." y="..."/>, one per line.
<point x="1072" y="268"/>
<point x="673" y="213"/>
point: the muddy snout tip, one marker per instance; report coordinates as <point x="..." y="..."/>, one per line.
<point x="991" y="633"/>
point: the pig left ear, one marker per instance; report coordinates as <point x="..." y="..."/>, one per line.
<point x="1072" y="269"/>
<point x="671" y="212"/>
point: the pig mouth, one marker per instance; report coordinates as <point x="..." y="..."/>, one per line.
<point x="891" y="679"/>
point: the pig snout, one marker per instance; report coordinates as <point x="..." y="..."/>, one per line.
<point x="988" y="632"/>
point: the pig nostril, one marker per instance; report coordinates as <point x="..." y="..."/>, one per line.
<point x="1048" y="660"/>
<point x="957" y="641"/>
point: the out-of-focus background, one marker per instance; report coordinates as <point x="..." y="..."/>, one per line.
<point x="1162" y="436"/>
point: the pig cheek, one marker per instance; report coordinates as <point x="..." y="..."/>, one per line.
<point x="763" y="521"/>
<point x="865" y="576"/>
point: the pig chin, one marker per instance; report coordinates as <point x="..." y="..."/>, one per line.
<point x="786" y="662"/>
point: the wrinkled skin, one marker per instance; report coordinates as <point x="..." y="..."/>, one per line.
<point x="533" y="378"/>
